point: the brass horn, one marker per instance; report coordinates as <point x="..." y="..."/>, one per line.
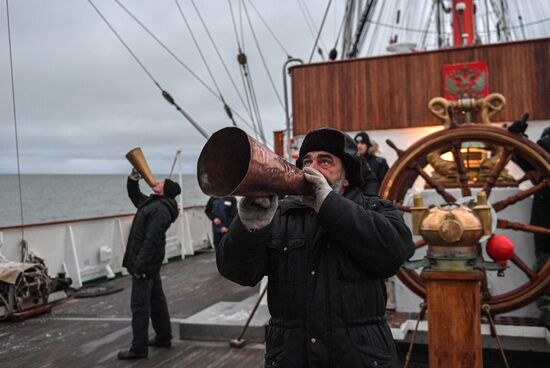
<point x="234" y="163"/>
<point x="137" y="159"/>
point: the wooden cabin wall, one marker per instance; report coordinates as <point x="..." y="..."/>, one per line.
<point x="278" y="142"/>
<point x="393" y="91"/>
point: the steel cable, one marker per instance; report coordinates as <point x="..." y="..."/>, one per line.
<point x="320" y="30"/>
<point x="219" y="54"/>
<point x="263" y="58"/>
<point x="175" y="57"/>
<point x="15" y="127"/>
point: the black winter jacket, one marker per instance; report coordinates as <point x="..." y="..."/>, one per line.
<point x="326" y="271"/>
<point x="378" y="165"/>
<point x="224" y="208"/>
<point x="145" y="249"/>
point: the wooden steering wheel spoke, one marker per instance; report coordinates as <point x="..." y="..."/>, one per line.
<point x="497" y="169"/>
<point x="522" y="266"/>
<point x="463" y="176"/>
<point x="500" y="205"/>
<point x="440" y="189"/>
<point x="518" y="226"/>
<point x="402" y="208"/>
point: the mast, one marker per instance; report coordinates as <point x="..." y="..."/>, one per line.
<point x="463" y="22"/>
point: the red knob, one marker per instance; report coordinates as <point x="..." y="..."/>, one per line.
<point x="500" y="248"/>
<point x="295" y="155"/>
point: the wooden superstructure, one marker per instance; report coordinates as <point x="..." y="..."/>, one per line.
<point x="392" y="92"/>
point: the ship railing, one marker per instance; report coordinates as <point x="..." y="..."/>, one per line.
<point x="90" y="248"/>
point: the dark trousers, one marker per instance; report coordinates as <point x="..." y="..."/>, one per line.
<point x="148" y="300"/>
<point x="217" y="238"/>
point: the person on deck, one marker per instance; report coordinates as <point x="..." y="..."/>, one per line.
<point x="539" y="216"/>
<point x="143" y="258"/>
<point x="221" y="211"/>
<point x="326" y="257"/>
<point x="377" y="167"/>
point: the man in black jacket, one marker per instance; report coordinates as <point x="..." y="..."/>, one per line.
<point x="143" y="259"/>
<point x="326" y="257"/>
<point x="221" y="211"/>
<point x="377" y="167"/>
<point x="539" y="213"/>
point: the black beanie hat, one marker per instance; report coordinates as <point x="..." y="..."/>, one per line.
<point x="171" y="188"/>
<point x="340" y="145"/>
<point x="362" y="137"/>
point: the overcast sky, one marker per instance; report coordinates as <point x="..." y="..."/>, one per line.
<point x="82" y="101"/>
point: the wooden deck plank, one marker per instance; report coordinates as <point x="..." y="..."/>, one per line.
<point x="88" y="332"/>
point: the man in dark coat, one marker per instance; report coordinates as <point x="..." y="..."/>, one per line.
<point x="143" y="258"/>
<point x="377" y="165"/>
<point x="326" y="257"/>
<point x="221" y="211"/>
<point x="539" y="215"/>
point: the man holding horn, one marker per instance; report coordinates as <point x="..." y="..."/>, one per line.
<point x="143" y="258"/>
<point x="326" y="257"/>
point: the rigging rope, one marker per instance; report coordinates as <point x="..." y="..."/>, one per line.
<point x="165" y="47"/>
<point x="269" y="29"/>
<point x="199" y="50"/>
<point x="362" y="28"/>
<point x="175" y="57"/>
<point x="241" y="58"/>
<point x="263" y="59"/>
<point x="23" y="243"/>
<point x="221" y="58"/>
<point x="165" y="94"/>
<point x="429" y="22"/>
<point x="226" y="107"/>
<point x="320" y="30"/>
<point x="309" y="19"/>
<point x="333" y="53"/>
<point x="247" y="78"/>
<point x="254" y="100"/>
<point x="124" y="44"/>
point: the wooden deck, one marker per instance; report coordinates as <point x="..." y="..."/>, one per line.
<point x="88" y="332"/>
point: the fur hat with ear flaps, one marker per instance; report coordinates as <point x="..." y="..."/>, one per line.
<point x="340" y="145"/>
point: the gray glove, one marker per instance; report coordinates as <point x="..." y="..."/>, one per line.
<point x="321" y="188"/>
<point x="135" y="175"/>
<point x="257" y="212"/>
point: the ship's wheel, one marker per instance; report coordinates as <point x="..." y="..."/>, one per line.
<point x="413" y="164"/>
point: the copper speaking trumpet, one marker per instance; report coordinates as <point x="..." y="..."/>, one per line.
<point x="234" y="163"/>
<point x="137" y="159"/>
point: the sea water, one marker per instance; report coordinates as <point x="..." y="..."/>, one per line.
<point x="67" y="197"/>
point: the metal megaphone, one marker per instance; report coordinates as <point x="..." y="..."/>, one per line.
<point x="137" y="159"/>
<point x="234" y="163"/>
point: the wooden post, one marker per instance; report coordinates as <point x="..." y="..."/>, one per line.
<point x="454" y="327"/>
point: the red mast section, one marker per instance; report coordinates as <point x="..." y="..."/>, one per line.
<point x="463" y="22"/>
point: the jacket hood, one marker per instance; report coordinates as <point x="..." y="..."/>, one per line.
<point x="172" y="206"/>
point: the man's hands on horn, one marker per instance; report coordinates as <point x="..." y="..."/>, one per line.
<point x="257" y="212"/>
<point x="135" y="175"/>
<point x="321" y="189"/>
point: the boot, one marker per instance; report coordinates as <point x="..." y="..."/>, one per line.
<point x="156" y="343"/>
<point x="130" y="354"/>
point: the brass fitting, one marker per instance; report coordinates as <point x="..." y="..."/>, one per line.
<point x="418" y="212"/>
<point x="483" y="212"/>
